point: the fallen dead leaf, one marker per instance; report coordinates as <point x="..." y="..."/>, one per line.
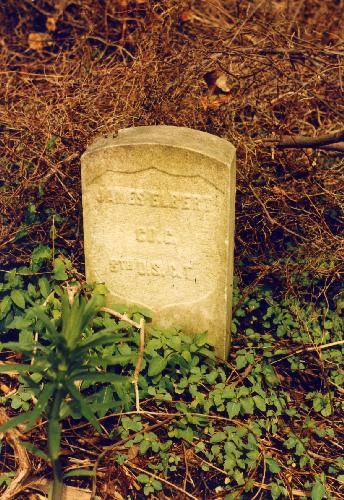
<point x="279" y="6"/>
<point x="133" y="452"/>
<point x="110" y="490"/>
<point x="222" y="83"/>
<point x="4" y="388"/>
<point x="69" y="492"/>
<point x="214" y="102"/>
<point x="37" y="41"/>
<point x="217" y="82"/>
<point x="186" y="15"/>
<point x="189" y="453"/>
<point x="71" y="292"/>
<point x="14" y="438"/>
<point x="50" y="24"/>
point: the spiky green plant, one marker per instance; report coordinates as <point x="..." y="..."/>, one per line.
<point x="61" y="357"/>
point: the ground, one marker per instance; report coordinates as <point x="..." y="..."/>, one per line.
<point x="246" y="71"/>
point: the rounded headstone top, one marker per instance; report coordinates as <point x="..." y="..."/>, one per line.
<point x="167" y="135"/>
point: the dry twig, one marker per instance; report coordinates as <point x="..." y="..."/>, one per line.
<point x="141" y="327"/>
<point x="334" y="141"/>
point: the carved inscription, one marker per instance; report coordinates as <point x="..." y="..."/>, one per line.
<point x="155" y="231"/>
<point x="160" y="199"/>
<point x="147" y="267"/>
<point x="152" y="234"/>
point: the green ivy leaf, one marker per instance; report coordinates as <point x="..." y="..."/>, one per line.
<point x="276" y="491"/>
<point x="259" y="402"/>
<point x="40" y="254"/>
<point x="187" y="356"/>
<point x="201" y="338"/>
<point x="175" y="342"/>
<point x="299" y="448"/>
<point x="144" y="311"/>
<point x="5" y="306"/>
<point x="273" y="465"/>
<point x="228" y="392"/>
<point x="156" y="366"/>
<point x="19" y="323"/>
<point x="318" y="491"/>
<point x="144" y="446"/>
<point x="32" y="291"/>
<point x="318" y="403"/>
<point x="233" y="409"/>
<point x="148" y="489"/>
<point x="143" y="478"/>
<point x="59" y="270"/>
<point x="157" y="485"/>
<point x="241" y="362"/>
<point x="26" y="340"/>
<point x="327" y="411"/>
<point x="239" y="477"/>
<point x="186" y="434"/>
<point x="247" y="405"/>
<point x="18" y="298"/>
<point x="218" y="437"/>
<point x="44" y="287"/>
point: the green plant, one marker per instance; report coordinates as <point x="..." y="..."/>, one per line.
<point x="257" y="420"/>
<point x="64" y="357"/>
<point x="6" y="478"/>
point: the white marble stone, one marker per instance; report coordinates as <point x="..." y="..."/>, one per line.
<point x="158" y="205"/>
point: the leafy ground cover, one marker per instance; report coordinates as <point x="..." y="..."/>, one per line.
<point x="267" y="424"/>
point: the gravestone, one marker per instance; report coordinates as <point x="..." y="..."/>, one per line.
<point x="158" y="207"/>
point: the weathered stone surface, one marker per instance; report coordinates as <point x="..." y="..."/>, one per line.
<point x="158" y="207"/>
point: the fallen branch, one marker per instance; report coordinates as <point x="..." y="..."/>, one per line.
<point x="332" y="142"/>
<point x="339" y="146"/>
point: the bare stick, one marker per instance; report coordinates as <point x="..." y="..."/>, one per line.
<point x="339" y="146"/>
<point x="122" y="317"/>
<point x="309" y="349"/>
<point x="328" y="141"/>
<point x="159" y="478"/>
<point x="140" y="326"/>
<point x="320" y="347"/>
<point x="139" y="364"/>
